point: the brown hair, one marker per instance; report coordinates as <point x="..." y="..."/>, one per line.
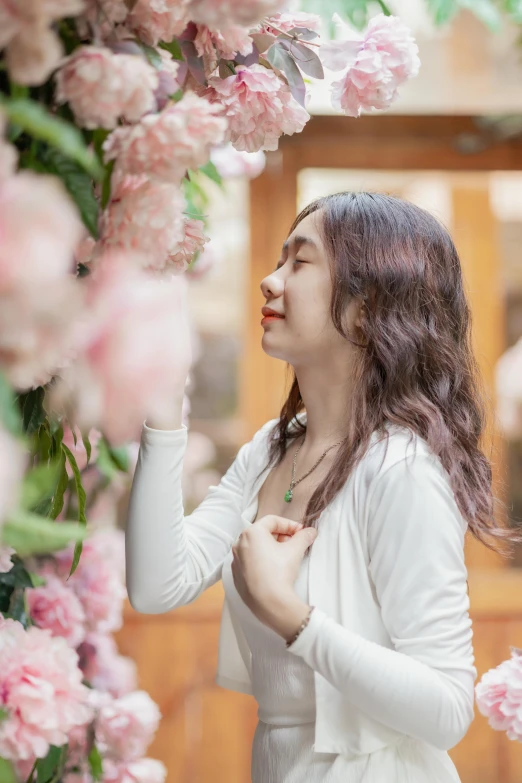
<point x="416" y="366"/>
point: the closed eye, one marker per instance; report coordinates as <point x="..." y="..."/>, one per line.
<point x="295" y="261"/>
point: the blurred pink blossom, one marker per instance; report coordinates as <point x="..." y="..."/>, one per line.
<point x="259" y="108"/>
<point x="45" y="252"/>
<point x="36" y="330"/>
<point x="378" y="62"/>
<point x="158" y="20"/>
<point x="5" y="558"/>
<point x="220" y="13"/>
<point x="193" y="241"/>
<point x="32" y="48"/>
<point x="233" y="163"/>
<point x="145" y="217"/>
<point x="213" y="44"/>
<point x="40" y="689"/>
<point x="132" y="351"/>
<point x="287" y="20"/>
<point x="208" y="263"/>
<point x="104" y="668"/>
<point x="140" y="771"/>
<point x="499" y="696"/>
<point x="164" y="145"/>
<point x="508" y="381"/>
<point x="97" y="581"/>
<point x="125" y="727"/>
<point x="56" y="607"/>
<point x="101" y="86"/>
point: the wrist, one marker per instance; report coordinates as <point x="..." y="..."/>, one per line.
<point x="287" y="615"/>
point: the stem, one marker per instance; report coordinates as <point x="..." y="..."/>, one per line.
<point x="29" y="779"/>
<point x="294" y="37"/>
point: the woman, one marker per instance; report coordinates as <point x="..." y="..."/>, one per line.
<point x="346" y="604"/>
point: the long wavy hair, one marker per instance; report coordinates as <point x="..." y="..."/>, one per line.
<point x="415" y="365"/>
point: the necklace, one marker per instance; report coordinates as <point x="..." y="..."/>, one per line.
<point x="289" y="492"/>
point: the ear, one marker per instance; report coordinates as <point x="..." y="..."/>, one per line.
<point x="361" y="315"/>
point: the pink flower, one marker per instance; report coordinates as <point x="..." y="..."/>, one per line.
<point x="259" y="108"/>
<point x="104" y="668"/>
<point x="32" y="48"/>
<point x="163" y="146"/>
<point x="125" y="727"/>
<point x="287" y="20"/>
<point x="508" y="381"/>
<point x="192" y="243"/>
<point x="220" y="13"/>
<point x="56" y="607"/>
<point x="5" y="558"/>
<point x="233" y="163"/>
<point x="40" y="689"/>
<point x="499" y="696"/>
<point x="158" y="20"/>
<point x="101" y="86"/>
<point x="225" y="43"/>
<point x="145" y="217"/>
<point x="36" y="337"/>
<point x="377" y="63"/>
<point x="134" y="352"/>
<point x="141" y="771"/>
<point x="97" y="582"/>
<point x="45" y="253"/>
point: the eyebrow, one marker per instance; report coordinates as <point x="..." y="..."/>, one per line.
<point x="298" y="241"/>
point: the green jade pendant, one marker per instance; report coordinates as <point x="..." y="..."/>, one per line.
<point x="288" y="496"/>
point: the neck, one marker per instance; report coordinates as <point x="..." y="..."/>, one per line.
<point x="328" y="402"/>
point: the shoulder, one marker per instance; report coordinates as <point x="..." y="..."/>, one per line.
<point x="398" y="451"/>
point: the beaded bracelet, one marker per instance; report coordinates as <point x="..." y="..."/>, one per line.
<point x="303" y="625"/>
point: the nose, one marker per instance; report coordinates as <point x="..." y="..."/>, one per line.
<point x="272" y="286"/>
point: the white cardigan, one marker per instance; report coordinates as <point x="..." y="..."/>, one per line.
<point x="390" y="641"/>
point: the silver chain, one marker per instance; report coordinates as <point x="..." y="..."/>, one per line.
<point x="293" y="483"/>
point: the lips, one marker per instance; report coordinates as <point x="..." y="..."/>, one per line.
<point x="268" y="313"/>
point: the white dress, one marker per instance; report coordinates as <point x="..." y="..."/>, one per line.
<point x="283" y="686"/>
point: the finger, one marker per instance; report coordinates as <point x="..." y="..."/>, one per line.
<point x="304" y="538"/>
<point x="275" y="524"/>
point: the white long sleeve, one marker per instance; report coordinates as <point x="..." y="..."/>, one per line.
<point x="171" y="558"/>
<point x="425" y="686"/>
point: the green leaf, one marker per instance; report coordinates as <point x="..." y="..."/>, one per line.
<point x="486" y="11"/>
<point x="47" y="767"/>
<point x="18" y="576"/>
<point x="443" y="11"/>
<point x="111" y="459"/>
<point x="280" y="58"/>
<point x="37" y="122"/>
<point x="88" y="447"/>
<point x="18" y="609"/>
<point x="78" y="183"/>
<point x="120" y="457"/>
<point x="30" y="534"/>
<point x="63" y="483"/>
<point x="210" y="171"/>
<point x="40" y="483"/>
<point x="514" y="9"/>
<point x="95" y="763"/>
<point x="82" y="499"/>
<point x="152" y="55"/>
<point x="9" y="411"/>
<point x="7" y="774"/>
<point x="173" y="47"/>
<point x="33" y="413"/>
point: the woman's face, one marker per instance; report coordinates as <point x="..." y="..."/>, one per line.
<point x="300" y="289"/>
